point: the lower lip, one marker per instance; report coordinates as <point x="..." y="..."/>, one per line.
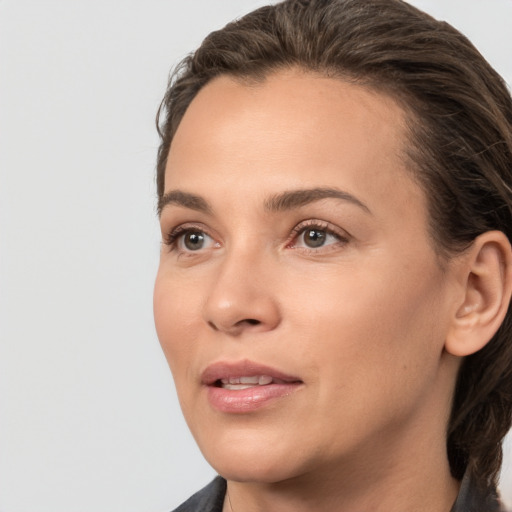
<point x="248" y="400"/>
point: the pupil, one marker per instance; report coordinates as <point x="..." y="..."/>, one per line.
<point x="194" y="241"/>
<point x="314" y="238"/>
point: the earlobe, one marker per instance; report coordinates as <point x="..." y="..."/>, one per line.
<point x="487" y="276"/>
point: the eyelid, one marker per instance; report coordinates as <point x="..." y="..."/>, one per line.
<point x="331" y="229"/>
<point x="171" y="238"/>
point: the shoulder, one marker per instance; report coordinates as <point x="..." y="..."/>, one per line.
<point x="208" y="499"/>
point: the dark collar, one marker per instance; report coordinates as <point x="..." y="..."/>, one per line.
<point x="470" y="499"/>
<point x="208" y="499"/>
<point x="211" y="499"/>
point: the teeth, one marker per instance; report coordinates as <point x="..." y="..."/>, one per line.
<point x="250" y="380"/>
<point x="236" y="383"/>
<point x="237" y="387"/>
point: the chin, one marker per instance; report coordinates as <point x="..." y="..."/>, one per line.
<point x="244" y="460"/>
<point x="259" y="471"/>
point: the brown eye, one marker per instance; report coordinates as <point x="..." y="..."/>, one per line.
<point x="194" y="240"/>
<point x="317" y="237"/>
<point x="314" y="237"/>
<point x="190" y="239"/>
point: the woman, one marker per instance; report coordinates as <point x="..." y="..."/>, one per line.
<point x="334" y="185"/>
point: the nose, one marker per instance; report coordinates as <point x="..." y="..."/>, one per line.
<point x="242" y="298"/>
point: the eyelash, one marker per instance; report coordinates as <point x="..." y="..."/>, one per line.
<point x="312" y="224"/>
<point x="172" y="239"/>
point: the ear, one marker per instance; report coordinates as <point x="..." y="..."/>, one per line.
<point x="486" y="274"/>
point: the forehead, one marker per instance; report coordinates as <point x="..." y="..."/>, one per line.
<point x="290" y="100"/>
<point x="294" y="129"/>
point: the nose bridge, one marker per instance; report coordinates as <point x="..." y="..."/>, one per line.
<point x="241" y="296"/>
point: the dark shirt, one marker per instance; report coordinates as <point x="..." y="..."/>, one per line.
<point x="211" y="499"/>
<point x="208" y="499"/>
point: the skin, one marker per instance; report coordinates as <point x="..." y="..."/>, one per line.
<point x="362" y="319"/>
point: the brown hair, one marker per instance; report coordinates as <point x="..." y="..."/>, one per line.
<point x="460" y="149"/>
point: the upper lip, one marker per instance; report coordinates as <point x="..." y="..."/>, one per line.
<point x="225" y="370"/>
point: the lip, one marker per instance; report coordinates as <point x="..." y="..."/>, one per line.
<point x="249" y="399"/>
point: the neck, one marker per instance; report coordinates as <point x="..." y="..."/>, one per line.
<point x="421" y="486"/>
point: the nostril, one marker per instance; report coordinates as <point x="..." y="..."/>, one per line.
<point x="236" y="326"/>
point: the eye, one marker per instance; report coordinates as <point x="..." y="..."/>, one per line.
<point x="189" y="239"/>
<point x="315" y="235"/>
<point x="194" y="240"/>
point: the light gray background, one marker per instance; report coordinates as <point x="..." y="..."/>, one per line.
<point x="88" y="417"/>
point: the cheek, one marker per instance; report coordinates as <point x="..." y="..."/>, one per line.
<point x="174" y="319"/>
<point x="371" y="327"/>
<point x="373" y="353"/>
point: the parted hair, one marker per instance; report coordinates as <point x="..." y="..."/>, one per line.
<point x="459" y="149"/>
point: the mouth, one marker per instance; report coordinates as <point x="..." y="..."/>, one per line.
<point x="246" y="382"/>
<point x="244" y="374"/>
<point x="246" y="386"/>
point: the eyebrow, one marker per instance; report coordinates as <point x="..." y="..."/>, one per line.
<point x="292" y="199"/>
<point x="287" y="200"/>
<point x="185" y="199"/>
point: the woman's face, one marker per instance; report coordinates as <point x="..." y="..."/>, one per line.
<point x="299" y="301"/>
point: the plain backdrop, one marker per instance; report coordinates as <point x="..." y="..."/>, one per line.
<point x="89" y="421"/>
